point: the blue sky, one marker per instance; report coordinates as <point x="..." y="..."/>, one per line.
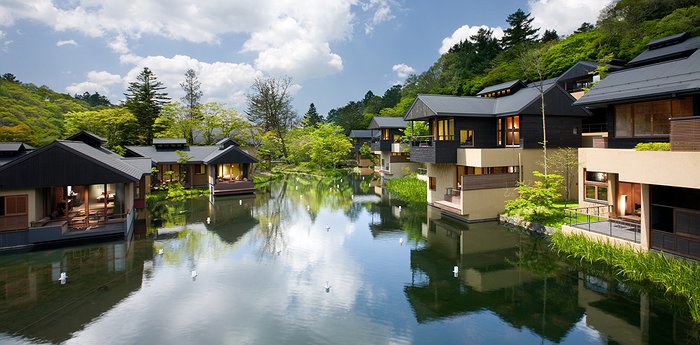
<point x="334" y="50"/>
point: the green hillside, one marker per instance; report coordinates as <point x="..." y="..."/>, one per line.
<point x="33" y="114"/>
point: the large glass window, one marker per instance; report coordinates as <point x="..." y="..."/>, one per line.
<point x="385" y="134"/>
<point x="646" y="119"/>
<point x="444" y="129"/>
<point x="499" y="132"/>
<point x="596" y="187"/>
<point x="513" y="131"/>
<point x="466" y="137"/>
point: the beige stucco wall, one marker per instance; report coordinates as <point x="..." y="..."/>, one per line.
<point x="34" y="202"/>
<point x="129" y="196"/>
<point x="495" y="157"/>
<point x="486" y="203"/>
<point x="666" y="168"/>
<point x="445" y="177"/>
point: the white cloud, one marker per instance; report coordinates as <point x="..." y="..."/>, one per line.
<point x="564" y="16"/>
<point x="66" y="43"/>
<point x="403" y="70"/>
<point x="276" y="29"/>
<point x="463" y="33"/>
<point x="96" y="82"/>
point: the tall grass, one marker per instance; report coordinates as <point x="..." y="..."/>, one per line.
<point x="408" y="189"/>
<point x="676" y="276"/>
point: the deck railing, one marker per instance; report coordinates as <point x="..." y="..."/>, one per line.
<point x="597" y="219"/>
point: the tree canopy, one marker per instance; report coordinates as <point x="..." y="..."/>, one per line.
<point x="145" y="98"/>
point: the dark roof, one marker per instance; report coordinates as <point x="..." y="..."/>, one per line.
<point x="66" y="163"/>
<point x="198" y="154"/>
<point x="228" y="155"/>
<point x="89" y="138"/>
<point x="524" y="101"/>
<point x="667" y="48"/>
<point x="675" y="77"/>
<point x="141" y="163"/>
<point x="169" y="141"/>
<point x="226" y="142"/>
<point x="579" y="69"/>
<point x="502" y="86"/>
<point x="363" y="133"/>
<point x="386" y="122"/>
<point x="13" y="146"/>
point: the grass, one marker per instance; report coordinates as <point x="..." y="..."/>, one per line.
<point x="408" y="189"/>
<point x="262" y="177"/>
<point x="677" y="276"/>
<point x="175" y="194"/>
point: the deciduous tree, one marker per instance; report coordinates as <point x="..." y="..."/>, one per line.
<point x="269" y="107"/>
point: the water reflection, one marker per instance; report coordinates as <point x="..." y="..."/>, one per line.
<point x="263" y="263"/>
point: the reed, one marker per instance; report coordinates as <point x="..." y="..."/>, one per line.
<point x="408" y="189"/>
<point x="677" y="276"/>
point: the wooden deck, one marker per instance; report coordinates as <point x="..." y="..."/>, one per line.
<point x="234" y="187"/>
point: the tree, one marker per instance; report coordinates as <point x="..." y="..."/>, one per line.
<point x="212" y="114"/>
<point x="520" y="30"/>
<point x="549" y="35"/>
<point x="191" y="99"/>
<point x="536" y="202"/>
<point x="94" y="100"/>
<point x="145" y="99"/>
<point x="118" y="125"/>
<point x="585" y="27"/>
<point x="533" y="68"/>
<point x="10" y="77"/>
<point x="269" y="107"/>
<point x="330" y="146"/>
<point x="564" y="162"/>
<point x="233" y="125"/>
<point x="311" y="118"/>
<point x="415" y="129"/>
<point x="174" y="122"/>
<point x="17" y="133"/>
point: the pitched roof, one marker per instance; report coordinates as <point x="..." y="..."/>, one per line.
<point x="579" y="69"/>
<point x="88" y="137"/>
<point x="169" y="141"/>
<point x="386" y="122"/>
<point x="649" y="81"/>
<point x="502" y="86"/>
<point x="671" y="47"/>
<point x="524" y="101"/>
<point x="12" y="146"/>
<point x="229" y="154"/>
<point x="198" y="154"/>
<point x="66" y="163"/>
<point x="363" y="133"/>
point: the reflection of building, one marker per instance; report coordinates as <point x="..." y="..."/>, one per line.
<point x="68" y="190"/>
<point x="394" y="155"/>
<point x="36" y="306"/>
<point x="646" y="197"/>
<point x="225" y="168"/>
<point x="480" y="147"/>
<point x="489" y="279"/>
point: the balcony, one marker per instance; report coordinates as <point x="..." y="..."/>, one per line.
<point x="489" y="157"/>
<point x="685" y="133"/>
<point x="492" y="181"/>
<point x="400" y="147"/>
<point x="381" y="145"/>
<point x="426" y="150"/>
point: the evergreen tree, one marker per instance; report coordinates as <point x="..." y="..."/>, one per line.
<point x="549" y="35"/>
<point x="145" y="99"/>
<point x="520" y="30"/>
<point x="585" y="27"/>
<point x="94" y="100"/>
<point x="311" y="118"/>
<point x="191" y="99"/>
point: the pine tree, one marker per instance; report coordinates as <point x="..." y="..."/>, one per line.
<point x="549" y="35"/>
<point x="145" y="99"/>
<point x="191" y="99"/>
<point x="312" y="118"/>
<point x="520" y="30"/>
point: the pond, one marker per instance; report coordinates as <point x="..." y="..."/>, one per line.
<point x="323" y="261"/>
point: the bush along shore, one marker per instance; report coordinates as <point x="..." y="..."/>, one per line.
<point x="677" y="276"/>
<point x="409" y="189"/>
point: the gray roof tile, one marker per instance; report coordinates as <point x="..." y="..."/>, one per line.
<point x="387" y="122"/>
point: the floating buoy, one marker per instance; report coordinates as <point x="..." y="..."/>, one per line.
<point x="328" y="227"/>
<point x="269" y="224"/>
<point x="63" y="278"/>
<point x="240" y="202"/>
<point x="327" y="287"/>
<point x="341" y="180"/>
<point x="399" y="207"/>
<point x="296" y="187"/>
<point x="194" y="274"/>
<point x="401" y="241"/>
<point x="455" y="270"/>
<point x="308" y="207"/>
<point x="160" y="251"/>
<point x="208" y="220"/>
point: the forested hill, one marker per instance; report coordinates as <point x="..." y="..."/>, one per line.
<point x="33" y="114"/>
<point x="621" y="32"/>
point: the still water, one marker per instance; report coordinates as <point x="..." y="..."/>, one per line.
<point x="309" y="261"/>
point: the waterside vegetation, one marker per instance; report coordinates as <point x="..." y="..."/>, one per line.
<point x="409" y="189"/>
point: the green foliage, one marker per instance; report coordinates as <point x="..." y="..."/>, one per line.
<point x="33" y="114"/>
<point x="677" y="276"/>
<point x="520" y="30"/>
<point x="145" y="99"/>
<point x="653" y="147"/>
<point x="175" y="192"/>
<point x="415" y="129"/>
<point x="408" y="189"/>
<point x="118" y="125"/>
<point x="329" y="145"/>
<point x="94" y="100"/>
<point x="311" y="118"/>
<point x="536" y="203"/>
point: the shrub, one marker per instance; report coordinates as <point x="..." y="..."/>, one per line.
<point x="653" y="147"/>
<point x="536" y="203"/>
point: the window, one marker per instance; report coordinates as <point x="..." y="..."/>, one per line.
<point x="13" y="212"/>
<point x="513" y="131"/>
<point x="596" y="187"/>
<point x="385" y="134"/>
<point x="200" y="169"/>
<point x="445" y="129"/>
<point x="499" y="132"/>
<point x="432" y="183"/>
<point x="466" y="137"/>
<point x="397" y="138"/>
<point x="649" y="119"/>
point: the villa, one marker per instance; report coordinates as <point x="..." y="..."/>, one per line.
<point x="69" y="190"/>
<point x="394" y="155"/>
<point x="479" y="147"/>
<point x="359" y="138"/>
<point x="648" y="199"/>
<point x="224" y="168"/>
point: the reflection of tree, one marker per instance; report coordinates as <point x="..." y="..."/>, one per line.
<point x="190" y="244"/>
<point x="270" y="213"/>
